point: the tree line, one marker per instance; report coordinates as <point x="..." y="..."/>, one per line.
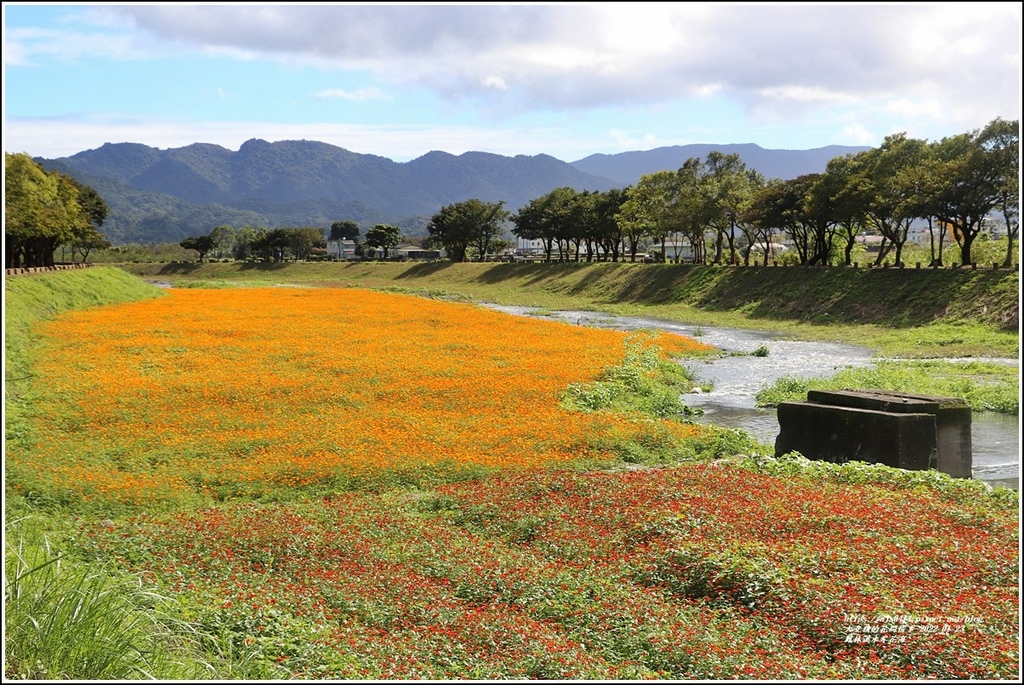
<point x="721" y="210"/>
<point x="726" y="212"/>
<point x="300" y="243"/>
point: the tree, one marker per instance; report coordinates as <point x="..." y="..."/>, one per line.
<point x="85" y="235"/>
<point x="794" y="219"/>
<point x="461" y="225"/>
<point x="383" y="237"/>
<point x="43" y="210"/>
<point x="759" y="223"/>
<point x="582" y="220"/>
<point x="344" y="230"/>
<point x="606" y="229"/>
<point x="647" y="209"/>
<point x="820" y="214"/>
<point x="201" y="244"/>
<point x="844" y="181"/>
<point x="245" y="237"/>
<point x="272" y="244"/>
<point x="91" y="203"/>
<point x="541" y="219"/>
<point x="88" y="241"/>
<point x="893" y="202"/>
<point x="976" y="171"/>
<point x="1001" y="139"/>
<point x="729" y="187"/>
<point x="28" y="190"/>
<point x="773" y="210"/>
<point x="223" y="239"/>
<point x="302" y="241"/>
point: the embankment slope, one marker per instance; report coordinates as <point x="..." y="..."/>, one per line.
<point x="888" y="297"/>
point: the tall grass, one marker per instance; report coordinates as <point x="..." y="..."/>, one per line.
<point x="984" y="386"/>
<point x="67" y="619"/>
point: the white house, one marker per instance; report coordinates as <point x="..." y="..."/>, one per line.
<point x="341" y="249"/>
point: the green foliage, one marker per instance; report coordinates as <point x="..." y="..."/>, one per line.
<point x="462" y="225"/>
<point x="201" y="244"/>
<point x="737" y="577"/>
<point x="46" y="209"/>
<point x="74" y="622"/>
<point x="644" y="382"/>
<point x="717" y="442"/>
<point x="961" y="490"/>
<point x="344" y="230"/>
<point x="984" y="386"/>
<point x="140" y="253"/>
<point x="383" y="237"/>
<point x="69" y="620"/>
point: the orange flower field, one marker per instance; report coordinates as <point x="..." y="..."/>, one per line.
<point x="242" y="392"/>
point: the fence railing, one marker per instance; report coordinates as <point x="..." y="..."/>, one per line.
<point x="28" y="270"/>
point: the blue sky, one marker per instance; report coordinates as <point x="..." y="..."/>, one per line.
<point x="568" y="80"/>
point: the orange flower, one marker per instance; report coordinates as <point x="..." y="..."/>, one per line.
<point x="245" y="391"/>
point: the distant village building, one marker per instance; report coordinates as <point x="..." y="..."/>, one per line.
<point x="529" y="248"/>
<point x="341" y="249"/>
<point x="407" y="251"/>
<point x="678" y="251"/>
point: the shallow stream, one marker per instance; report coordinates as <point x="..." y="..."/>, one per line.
<point x="738" y="378"/>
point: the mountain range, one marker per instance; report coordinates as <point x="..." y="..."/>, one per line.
<point x="159" y="195"/>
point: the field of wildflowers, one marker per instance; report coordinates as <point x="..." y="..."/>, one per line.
<point x="259" y="392"/>
<point x="700" y="571"/>
<point x="349" y="484"/>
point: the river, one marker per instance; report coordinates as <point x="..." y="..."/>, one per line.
<point x="995" y="438"/>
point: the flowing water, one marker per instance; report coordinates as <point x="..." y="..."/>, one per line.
<point x="737" y="378"/>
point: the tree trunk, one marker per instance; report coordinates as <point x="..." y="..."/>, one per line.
<point x="1011" y="234"/>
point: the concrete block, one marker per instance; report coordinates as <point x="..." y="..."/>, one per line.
<point x="842" y="434"/>
<point x="904" y="430"/>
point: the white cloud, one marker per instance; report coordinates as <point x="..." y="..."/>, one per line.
<point x="599" y="54"/>
<point x="358" y="95"/>
<point x="627" y="141"/>
<point x="24" y="47"/>
<point x="495" y="82"/>
<point x="856" y="134"/>
<point x="845" y="69"/>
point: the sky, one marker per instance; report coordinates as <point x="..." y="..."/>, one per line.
<point x="568" y="80"/>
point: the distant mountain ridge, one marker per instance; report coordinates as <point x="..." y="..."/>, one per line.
<point x="159" y="195"/>
<point x="628" y="167"/>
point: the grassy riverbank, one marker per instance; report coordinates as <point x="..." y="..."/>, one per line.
<point x="897" y="312"/>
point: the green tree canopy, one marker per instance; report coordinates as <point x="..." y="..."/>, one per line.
<point x="344" y="230"/>
<point x="43" y="210"/>
<point x="202" y="244"/>
<point x="463" y="224"/>
<point x="383" y="237"/>
<point x="978" y="171"/>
